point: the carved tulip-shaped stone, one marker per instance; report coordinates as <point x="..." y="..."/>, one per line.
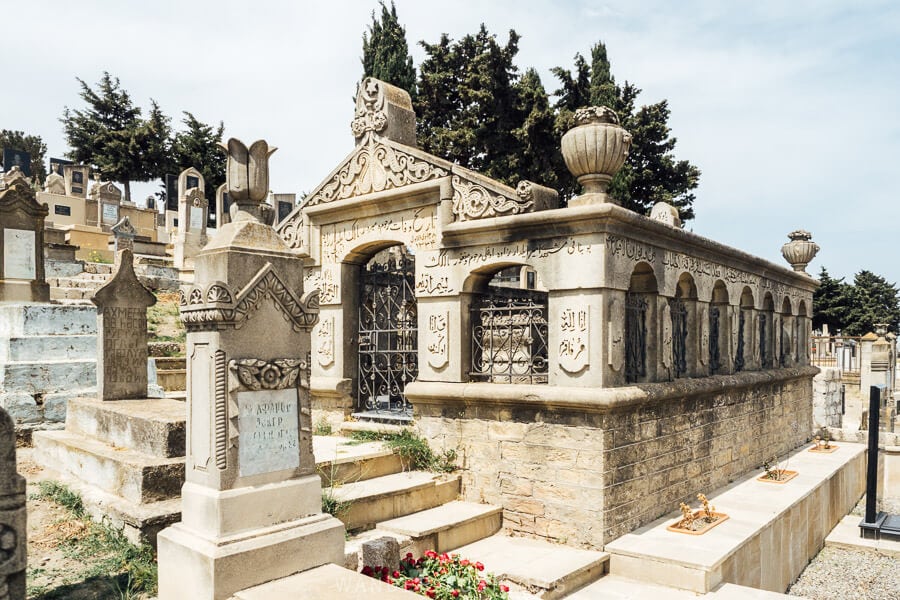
<point x="247" y="173"/>
<point x="800" y="250"/>
<point x="594" y="151"/>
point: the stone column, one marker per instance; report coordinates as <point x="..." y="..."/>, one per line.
<point x="13" y="544"/>
<point x="251" y="503"/>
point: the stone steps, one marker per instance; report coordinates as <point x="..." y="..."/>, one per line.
<point x="51" y="347"/>
<point x="48" y="375"/>
<point x="155" y="427"/>
<point x="21" y="320"/>
<point x="71" y="293"/>
<point x="135" y="476"/>
<point x="616" y="587"/>
<point x="372" y="501"/>
<point x="535" y="566"/>
<point x="328" y="581"/>
<point x="448" y="526"/>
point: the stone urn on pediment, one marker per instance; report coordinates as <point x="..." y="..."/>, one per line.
<point x="800" y="251"/>
<point x="594" y="151"/>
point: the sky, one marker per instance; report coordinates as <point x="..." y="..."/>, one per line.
<point x="788" y="108"/>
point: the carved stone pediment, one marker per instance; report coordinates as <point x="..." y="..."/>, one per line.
<point x="216" y="305"/>
<point x="19" y="197"/>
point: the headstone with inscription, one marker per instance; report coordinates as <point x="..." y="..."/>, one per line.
<point x="22" y="244"/>
<point x="193" y="208"/>
<point x="109" y="198"/>
<point x="76" y="179"/>
<point x="124" y="234"/>
<point x="13" y="544"/>
<point x="250" y="471"/>
<point x="122" y="333"/>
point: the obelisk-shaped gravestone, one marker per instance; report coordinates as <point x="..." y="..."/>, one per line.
<point x="122" y="333"/>
<point x="12" y="516"/>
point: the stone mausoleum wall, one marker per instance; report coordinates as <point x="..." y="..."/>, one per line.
<point x="586" y="466"/>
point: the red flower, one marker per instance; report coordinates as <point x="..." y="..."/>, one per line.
<point x="367" y="570"/>
<point x="455" y="593"/>
<point x="481" y="585"/>
<point x="396" y="573"/>
<point x="504" y="588"/>
<point x="479" y="566"/>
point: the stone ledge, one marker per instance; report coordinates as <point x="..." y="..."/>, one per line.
<point x="592" y="399"/>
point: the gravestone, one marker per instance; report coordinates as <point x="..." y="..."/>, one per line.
<point x="193" y="209"/>
<point x="55" y="183"/>
<point x="122" y="333"/>
<point x="13" y="544"/>
<point x="223" y="205"/>
<point x="250" y="471"/>
<point x="109" y="197"/>
<point x="124" y="234"/>
<point x="76" y="178"/>
<point x="22" y="244"/>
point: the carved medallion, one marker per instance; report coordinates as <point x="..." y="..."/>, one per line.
<point x="438" y="335"/>
<point x="325" y="341"/>
<point x="255" y="374"/>
<point x="616" y="325"/>
<point x="704" y="334"/>
<point x="574" y="339"/>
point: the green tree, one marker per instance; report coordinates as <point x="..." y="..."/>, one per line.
<point x="111" y="134"/>
<point x="33" y="144"/>
<point x="872" y="300"/>
<point x="831" y="303"/>
<point x="386" y="53"/>
<point x="651" y="173"/>
<point x="198" y="146"/>
<point x="467" y="103"/>
<point x="537" y="156"/>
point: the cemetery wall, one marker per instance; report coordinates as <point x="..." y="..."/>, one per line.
<point x="585" y="466"/>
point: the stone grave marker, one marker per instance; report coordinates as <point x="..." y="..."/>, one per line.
<point x="76" y="178"/>
<point x="122" y="333"/>
<point x="109" y="197"/>
<point x="22" y="244"/>
<point x="124" y="234"/>
<point x="13" y="544"/>
<point x="223" y="204"/>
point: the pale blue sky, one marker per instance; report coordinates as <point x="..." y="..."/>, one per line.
<point x="788" y="108"/>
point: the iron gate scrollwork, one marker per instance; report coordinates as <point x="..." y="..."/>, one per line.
<point x="388" y="333"/>
<point x="509" y="336"/>
<point x="739" y="352"/>
<point x="635" y="337"/>
<point x="765" y="357"/>
<point x="714" y="357"/>
<point x="679" y="336"/>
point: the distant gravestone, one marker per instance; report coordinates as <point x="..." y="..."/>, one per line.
<point x="76" y="178"/>
<point x="13" y="544"/>
<point x="22" y="244"/>
<point x="122" y="333"/>
<point x="124" y="234"/>
<point x="665" y="213"/>
<point x="109" y="197"/>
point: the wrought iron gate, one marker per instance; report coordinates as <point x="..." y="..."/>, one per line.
<point x="388" y="333"/>
<point x="635" y="337"/>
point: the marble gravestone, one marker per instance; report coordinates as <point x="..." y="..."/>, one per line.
<point x="22" y="244"/>
<point x="122" y="333"/>
<point x="13" y="545"/>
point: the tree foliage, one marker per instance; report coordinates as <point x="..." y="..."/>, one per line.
<point x="651" y="173"/>
<point x="386" y="53"/>
<point x="33" y="144"/>
<point x="855" y="309"/>
<point x="198" y="146"/>
<point x="111" y="134"/>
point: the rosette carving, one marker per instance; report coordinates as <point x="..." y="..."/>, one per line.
<point x="279" y="374"/>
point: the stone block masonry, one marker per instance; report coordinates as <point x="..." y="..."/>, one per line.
<point x="585" y="466"/>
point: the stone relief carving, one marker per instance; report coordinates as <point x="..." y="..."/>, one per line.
<point x="431" y="285"/>
<point x="369" y="115"/>
<point x="279" y="374"/>
<point x="616" y="325"/>
<point x="291" y="229"/>
<point x="474" y="201"/>
<point x="417" y="227"/>
<point x="221" y="409"/>
<point x="325" y="341"/>
<point x="518" y="251"/>
<point x="575" y="337"/>
<point x="438" y="336"/>
<point x="219" y="292"/>
<point x="666" y="346"/>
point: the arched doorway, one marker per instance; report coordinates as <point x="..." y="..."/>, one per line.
<point x="388" y="332"/>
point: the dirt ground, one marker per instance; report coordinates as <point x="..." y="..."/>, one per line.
<point x="162" y="319"/>
<point x="58" y="565"/>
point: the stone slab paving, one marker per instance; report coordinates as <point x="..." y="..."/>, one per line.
<point x="846" y="535"/>
<point x="765" y="534"/>
<point x="328" y="581"/>
<point x="549" y="570"/>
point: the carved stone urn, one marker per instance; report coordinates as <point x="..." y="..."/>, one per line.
<point x="800" y="250"/>
<point x="247" y="177"/>
<point x="594" y="151"/>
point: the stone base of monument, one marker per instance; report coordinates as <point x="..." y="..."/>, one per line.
<point x="126" y="458"/>
<point x="48" y="354"/>
<point x="235" y="545"/>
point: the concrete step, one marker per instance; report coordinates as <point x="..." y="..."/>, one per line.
<point x="51" y="347"/>
<point x="328" y="581"/>
<point x="382" y="498"/>
<point x="615" y="587"/>
<point x="154" y="427"/>
<point x="535" y="566"/>
<point x="172" y="380"/>
<point x="101" y="268"/>
<point x="134" y="476"/>
<point x="21" y="320"/>
<point x="70" y="293"/>
<point x="84" y="280"/>
<point x="448" y="526"/>
<point x="340" y="460"/>
<point x="49" y="375"/>
<point x="171" y="363"/>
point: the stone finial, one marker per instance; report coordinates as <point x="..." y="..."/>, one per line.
<point x="594" y="151"/>
<point x="55" y="183"/>
<point x="666" y="213"/>
<point x="800" y="250"/>
<point x="385" y="111"/>
<point x="247" y="175"/>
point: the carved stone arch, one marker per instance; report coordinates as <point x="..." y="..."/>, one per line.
<point x="686" y="287"/>
<point x="643" y="279"/>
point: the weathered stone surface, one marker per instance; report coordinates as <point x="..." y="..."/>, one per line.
<point x="13" y="546"/>
<point x="381" y="552"/>
<point x="22" y="276"/>
<point x="122" y="333"/>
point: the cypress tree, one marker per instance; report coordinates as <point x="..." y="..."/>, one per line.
<point x="386" y="53"/>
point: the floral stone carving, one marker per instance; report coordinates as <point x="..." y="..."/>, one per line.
<point x="278" y="374"/>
